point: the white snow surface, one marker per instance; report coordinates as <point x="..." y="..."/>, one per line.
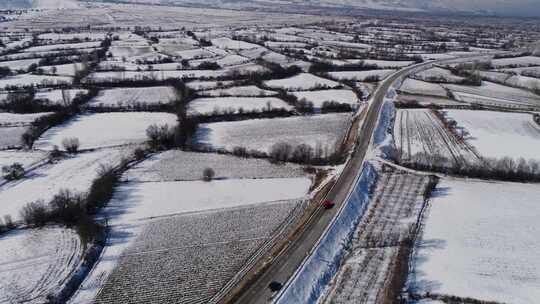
<point x="207" y="106"/>
<point x="319" y="97"/>
<point x="302" y="81"/>
<point x="360" y="75"/>
<point x="124" y="97"/>
<point x="500" y="134"/>
<point x="326" y="131"/>
<point x="480" y="240"/>
<point x="75" y="173"/>
<point x="36" y="262"/>
<point x="105" y="129"/>
<point x="413" y="86"/>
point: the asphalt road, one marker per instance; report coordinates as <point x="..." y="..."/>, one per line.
<point x="286" y="263"/>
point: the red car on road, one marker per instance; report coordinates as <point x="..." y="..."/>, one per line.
<point x="328" y="204"/>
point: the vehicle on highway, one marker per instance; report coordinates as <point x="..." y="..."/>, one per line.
<point x="328" y="204"/>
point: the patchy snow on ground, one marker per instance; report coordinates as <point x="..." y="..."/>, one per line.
<point x="302" y="81"/>
<point x="500" y="134"/>
<point x="413" y="86"/>
<point x="319" y="97"/>
<point x="360" y="75"/>
<point x="249" y="90"/>
<point x="480" y="240"/>
<point x="35" y="263"/>
<point x="174" y="165"/>
<point x="129" y="97"/>
<point x="105" y="129"/>
<point x="75" y="173"/>
<point x="325" y="131"/>
<point x="222" y="105"/>
<point x="11" y="119"/>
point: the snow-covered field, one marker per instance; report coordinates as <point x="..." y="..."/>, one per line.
<point x="413" y="86"/>
<point x="480" y="240"/>
<point x="496" y="92"/>
<point x="129" y="97"/>
<point x="319" y="97"/>
<point x="25" y="158"/>
<point x="105" y="129"/>
<point x="33" y="80"/>
<point x="361" y="75"/>
<point x="75" y="173"/>
<point x="177" y="165"/>
<point x="250" y="90"/>
<point x="220" y="105"/>
<point x="228" y="43"/>
<point x="500" y="134"/>
<point x="438" y="74"/>
<point x="206" y="85"/>
<point x="10" y="119"/>
<point x="303" y="81"/>
<point x="58" y="96"/>
<point x="154" y="199"/>
<point x="325" y="131"/>
<point x="189" y="257"/>
<point x="16" y="65"/>
<point x="421" y="138"/>
<point x="35" y="263"/>
<point x="10" y="137"/>
<point x="524" y="61"/>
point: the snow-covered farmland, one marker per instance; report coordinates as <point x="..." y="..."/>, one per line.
<point x="168" y="250"/>
<point x="56" y="97"/>
<point x="16" y="65"/>
<point x="96" y="130"/>
<point x="75" y="173"/>
<point x="422" y="139"/>
<point x="228" y="43"/>
<point x="36" y="263"/>
<point x="206" y="85"/>
<point x="500" y="134"/>
<point x="221" y="105"/>
<point x="177" y="165"/>
<point x="361" y="75"/>
<point x="524" y="61"/>
<point x="10" y="119"/>
<point x="129" y="97"/>
<point x="25" y="158"/>
<point x="496" y="93"/>
<point x="153" y="199"/>
<point x="438" y="74"/>
<point x="33" y="80"/>
<point x="319" y="97"/>
<point x="413" y="86"/>
<point x="250" y="90"/>
<point x="303" y="81"/>
<point x="325" y="131"/>
<point x="69" y="69"/>
<point x="10" y="137"/>
<point x="480" y="240"/>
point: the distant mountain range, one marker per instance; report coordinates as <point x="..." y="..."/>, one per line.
<point x="530" y="8"/>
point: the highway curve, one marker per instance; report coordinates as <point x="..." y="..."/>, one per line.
<point x="289" y="260"/>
